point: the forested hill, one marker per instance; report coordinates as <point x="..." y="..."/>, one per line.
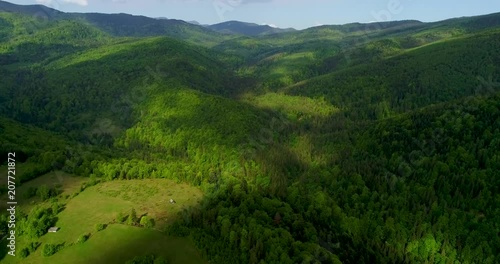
<point x="123" y="24"/>
<point x="359" y="143"/>
<point x="34" y="10"/>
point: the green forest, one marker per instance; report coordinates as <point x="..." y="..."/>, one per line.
<point x="360" y="143"/>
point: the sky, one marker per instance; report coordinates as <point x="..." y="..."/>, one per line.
<point x="298" y="14"/>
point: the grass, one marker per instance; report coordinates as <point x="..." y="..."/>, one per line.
<point x="66" y="183"/>
<point x="293" y="106"/>
<point x="129" y="242"/>
<point x="152" y="196"/>
<point x="100" y="204"/>
<point x="118" y="244"/>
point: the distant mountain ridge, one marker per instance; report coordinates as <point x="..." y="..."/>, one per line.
<point x="125" y="25"/>
<point x="39" y="10"/>
<point x="248" y="29"/>
<point x="141" y="26"/>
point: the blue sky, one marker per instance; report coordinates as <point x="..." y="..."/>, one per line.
<point x="282" y="13"/>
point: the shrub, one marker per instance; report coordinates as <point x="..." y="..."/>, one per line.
<point x="51" y="249"/>
<point x="43" y="192"/>
<point x="132" y="218"/>
<point x="56" y="208"/>
<point x="30" y="192"/>
<point x="121" y="218"/>
<point x="24" y="253"/>
<point x="37" y="222"/>
<point x="100" y="227"/>
<point x="33" y="246"/>
<point x="83" y="238"/>
<point x="147" y="222"/>
<point x="93" y="180"/>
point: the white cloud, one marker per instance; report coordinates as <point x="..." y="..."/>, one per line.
<point x="44" y="2"/>
<point x="52" y="3"/>
<point x="271" y="25"/>
<point x="77" y="2"/>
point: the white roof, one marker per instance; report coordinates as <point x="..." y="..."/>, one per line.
<point x="53" y="229"/>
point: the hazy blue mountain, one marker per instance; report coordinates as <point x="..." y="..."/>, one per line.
<point x="248" y="29"/>
<point x="36" y="10"/>
<point x="124" y="24"/>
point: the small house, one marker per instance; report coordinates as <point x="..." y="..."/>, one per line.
<point x="53" y="229"/>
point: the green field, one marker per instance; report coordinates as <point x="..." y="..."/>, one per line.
<point x="66" y="183"/>
<point x="100" y="204"/>
<point x="293" y="106"/>
<point x="118" y="244"/>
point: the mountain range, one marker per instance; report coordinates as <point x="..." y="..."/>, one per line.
<point x="130" y="25"/>
<point x="154" y="140"/>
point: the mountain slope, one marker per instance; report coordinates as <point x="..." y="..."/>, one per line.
<point x="28" y="40"/>
<point x="410" y="80"/>
<point x="124" y="25"/>
<point x="288" y="58"/>
<point x="78" y="85"/>
<point x="40" y="11"/>
<point x="140" y="26"/>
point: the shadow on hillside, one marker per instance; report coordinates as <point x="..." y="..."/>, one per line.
<point x="173" y="249"/>
<point x="4" y="250"/>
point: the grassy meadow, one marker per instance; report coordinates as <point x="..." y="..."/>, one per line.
<point x="100" y="204"/>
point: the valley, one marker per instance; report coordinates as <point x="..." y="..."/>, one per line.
<point x="355" y="143"/>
